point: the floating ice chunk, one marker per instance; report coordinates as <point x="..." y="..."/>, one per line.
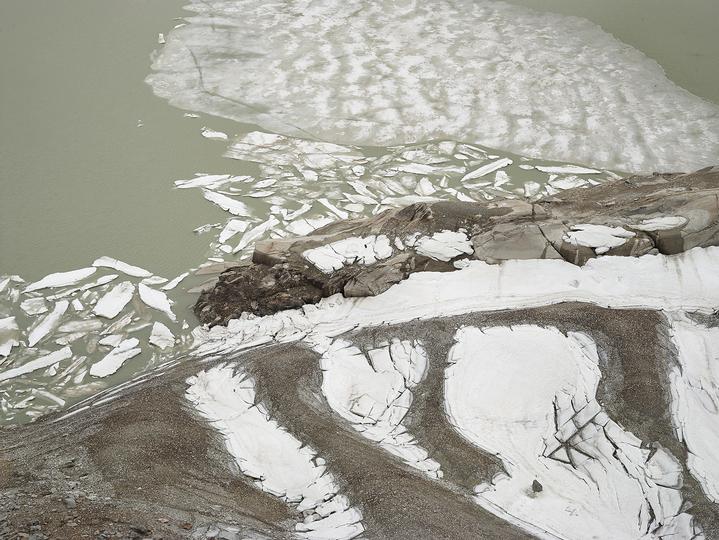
<point x="206" y="181"/>
<point x="600" y="237"/>
<point x="9" y="335"/>
<point x="38" y="363"/>
<point x="415" y="168"/>
<point x="297" y="213"/>
<point x="208" y="133"/>
<point x="234" y="207"/>
<point x="47" y="324"/>
<point x="160" y="38"/>
<point x="60" y="279"/>
<point x="130" y="270"/>
<point x="77" y="305"/>
<point x="566" y="169"/>
<point x="115" y="300"/>
<point x="254" y="233"/>
<point x="486" y="169"/>
<point x="305" y="226"/>
<point x="332" y="208"/>
<point x="83" y="327"/>
<point x="154" y="280"/>
<point x="98" y="282"/>
<point x="233" y="227"/>
<point x="156" y="299"/>
<point x="661" y="223"/>
<point x="501" y="178"/>
<point x="175" y="282"/>
<point x="354" y="250"/>
<point x="531" y="188"/>
<point x="112" y="340"/>
<point x="34" y="306"/>
<point x="444" y="245"/>
<point x="115" y="358"/>
<point x="424" y="187"/>
<point x="568" y="182"/>
<point x="161" y="336"/>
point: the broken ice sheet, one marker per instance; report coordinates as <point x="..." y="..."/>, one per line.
<point x="233" y="206"/>
<point x="161" y="336"/>
<point x="114" y="359"/>
<point x="130" y="270"/>
<point x="47" y="324"/>
<point x="38" y="363"/>
<point x="60" y="279"/>
<point x="115" y="300"/>
<point x="9" y="335"/>
<point x="157" y="300"/>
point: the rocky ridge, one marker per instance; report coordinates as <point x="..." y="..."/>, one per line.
<point x="634" y="216"/>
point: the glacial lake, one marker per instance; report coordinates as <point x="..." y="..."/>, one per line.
<point x="89" y="156"/>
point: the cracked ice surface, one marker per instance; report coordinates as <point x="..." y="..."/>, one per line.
<point x="459" y="69"/>
<point x="695" y="399"/>
<point x="528" y="395"/>
<point x="354" y="250"/>
<point x="373" y="391"/>
<point x="278" y="462"/>
<point x="687" y="281"/>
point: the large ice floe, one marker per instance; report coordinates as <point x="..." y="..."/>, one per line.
<point x="383" y="73"/>
<point x="280" y="464"/>
<point x="528" y="395"/>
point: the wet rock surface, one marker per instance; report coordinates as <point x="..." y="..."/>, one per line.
<point x="634" y="216"/>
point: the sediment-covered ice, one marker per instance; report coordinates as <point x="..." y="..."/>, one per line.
<point x="534" y="83"/>
<point x="528" y="395"/>
<point x="278" y="462"/>
<point x="373" y="391"/>
<point x="694" y="387"/>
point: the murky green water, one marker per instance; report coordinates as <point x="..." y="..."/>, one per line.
<point x="682" y="37"/>
<point x="79" y="177"/>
